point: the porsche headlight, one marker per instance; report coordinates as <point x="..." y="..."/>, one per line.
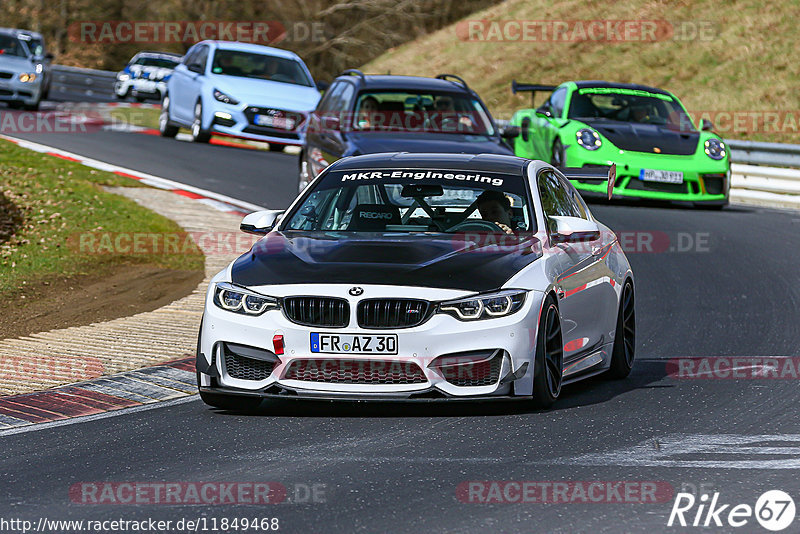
<point x="715" y="149"/>
<point x="222" y="97"/>
<point x="588" y="139"/>
<point x="486" y="306"/>
<point x="239" y="300"/>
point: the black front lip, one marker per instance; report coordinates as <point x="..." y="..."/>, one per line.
<point x="360" y="398"/>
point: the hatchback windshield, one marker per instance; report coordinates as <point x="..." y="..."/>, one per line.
<point x="11" y="46"/>
<point x="164" y="63"/>
<point x="415" y="200"/>
<point x="260" y="66"/>
<point x="456" y="113"/>
<point x="627" y="105"/>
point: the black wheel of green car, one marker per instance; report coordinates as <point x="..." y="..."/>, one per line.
<point x="166" y="127"/>
<point x="557" y="156"/>
<point x="548" y="365"/>
<point x="525" y="129"/>
<point x="198" y="134"/>
<point x="624" y="351"/>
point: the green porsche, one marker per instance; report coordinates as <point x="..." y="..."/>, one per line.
<point x="659" y="152"/>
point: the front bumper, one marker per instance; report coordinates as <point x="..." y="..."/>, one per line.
<point x="508" y="342"/>
<point x="235" y="121"/>
<point x="13" y="90"/>
<point x="703" y="181"/>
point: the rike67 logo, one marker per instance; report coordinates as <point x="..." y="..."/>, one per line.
<point x="774" y="510"/>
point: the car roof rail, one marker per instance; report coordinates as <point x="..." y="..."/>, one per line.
<point x="354" y="72"/>
<point x="459" y="79"/>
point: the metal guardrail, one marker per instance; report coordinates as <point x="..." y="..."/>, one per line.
<point x="760" y="153"/>
<point x="72" y="84"/>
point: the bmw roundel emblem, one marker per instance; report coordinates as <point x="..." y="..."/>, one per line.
<point x="356" y="291"/>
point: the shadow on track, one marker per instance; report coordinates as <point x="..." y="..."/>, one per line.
<point x="596" y="390"/>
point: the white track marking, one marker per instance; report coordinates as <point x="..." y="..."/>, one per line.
<point x="95" y="417"/>
<point x="148" y="179"/>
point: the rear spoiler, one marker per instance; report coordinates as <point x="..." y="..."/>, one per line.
<point x="517" y="87"/>
<point x="593" y="175"/>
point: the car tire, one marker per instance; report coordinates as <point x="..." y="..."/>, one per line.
<point x="165" y="126"/>
<point x="557" y="156"/>
<point x="624" y="351"/>
<point x="31" y="107"/>
<point x="198" y="134"/>
<point x="273" y="147"/>
<point x="548" y="370"/>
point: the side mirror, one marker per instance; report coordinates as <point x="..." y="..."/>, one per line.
<point x="322" y="86"/>
<point x="573" y="229"/>
<point x="196" y="67"/>
<point x="544" y="112"/>
<point x="260" y="222"/>
<point x="706" y="125"/>
<point x="330" y="123"/>
<point x="510" y="132"/>
<point x="49" y="56"/>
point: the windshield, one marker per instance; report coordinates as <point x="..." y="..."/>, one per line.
<point x="628" y="105"/>
<point x="163" y="63"/>
<point x="415" y="200"/>
<point x="11" y="46"/>
<point x="455" y="113"/>
<point x="260" y="66"/>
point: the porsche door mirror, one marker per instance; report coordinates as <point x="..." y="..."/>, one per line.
<point x="260" y="222"/>
<point x="573" y="229"/>
<point x="706" y="125"/>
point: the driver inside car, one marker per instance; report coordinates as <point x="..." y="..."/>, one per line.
<point x="495" y="207"/>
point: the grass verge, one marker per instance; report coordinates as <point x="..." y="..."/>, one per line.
<point x="46" y="203"/>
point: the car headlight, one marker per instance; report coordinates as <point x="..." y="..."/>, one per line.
<point x="715" y="149"/>
<point x="222" y="97"/>
<point x="123" y="77"/>
<point x="239" y="300"/>
<point x="588" y="139"/>
<point x="27" y="77"/>
<point x="486" y="306"/>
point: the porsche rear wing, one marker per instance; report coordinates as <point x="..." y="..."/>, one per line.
<point x="517" y="87"/>
<point x="593" y="175"/>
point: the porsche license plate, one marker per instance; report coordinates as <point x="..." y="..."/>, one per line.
<point x="667" y="177"/>
<point x="353" y="344"/>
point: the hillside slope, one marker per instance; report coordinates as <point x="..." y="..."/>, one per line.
<point x="740" y="70"/>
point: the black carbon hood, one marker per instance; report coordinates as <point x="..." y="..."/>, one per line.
<point x="472" y="263"/>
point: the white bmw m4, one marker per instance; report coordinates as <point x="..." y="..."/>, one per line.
<point x="420" y="277"/>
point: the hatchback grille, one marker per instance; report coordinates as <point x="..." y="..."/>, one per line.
<point x="355" y="371"/>
<point x="247" y="368"/>
<point x="5" y="75"/>
<point x="317" y="311"/>
<point x="392" y="313"/>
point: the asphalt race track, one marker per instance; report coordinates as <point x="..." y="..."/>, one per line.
<point x="715" y="284"/>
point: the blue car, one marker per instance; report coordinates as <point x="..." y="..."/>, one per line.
<point x="146" y="75"/>
<point x="241" y="90"/>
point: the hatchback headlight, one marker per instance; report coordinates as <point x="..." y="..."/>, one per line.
<point x="715" y="149"/>
<point x="239" y="300"/>
<point x="27" y="77"/>
<point x="225" y="99"/>
<point x="486" y="306"/>
<point x="588" y="139"/>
